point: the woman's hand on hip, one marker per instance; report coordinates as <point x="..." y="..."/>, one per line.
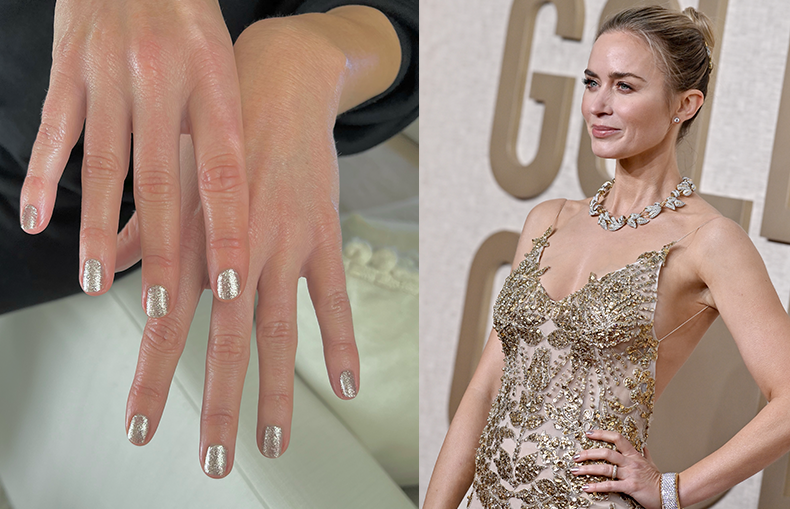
<point x="632" y="473"/>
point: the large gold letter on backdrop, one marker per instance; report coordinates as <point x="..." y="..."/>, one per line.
<point x="555" y="92"/>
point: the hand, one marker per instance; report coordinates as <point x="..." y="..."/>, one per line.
<point x="637" y="475"/>
<point x="292" y="82"/>
<point x="156" y="68"/>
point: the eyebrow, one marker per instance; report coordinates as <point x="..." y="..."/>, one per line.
<point x="615" y="75"/>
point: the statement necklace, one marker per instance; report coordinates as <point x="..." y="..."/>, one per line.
<point x="607" y="222"/>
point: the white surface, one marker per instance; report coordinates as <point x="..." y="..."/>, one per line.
<point x="461" y="54"/>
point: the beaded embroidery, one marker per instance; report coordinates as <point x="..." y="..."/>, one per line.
<point x="586" y="361"/>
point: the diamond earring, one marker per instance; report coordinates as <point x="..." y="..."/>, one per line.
<point x="676" y="120"/>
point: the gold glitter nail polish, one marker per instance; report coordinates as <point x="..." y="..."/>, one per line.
<point x="157" y="301"/>
<point x="138" y="429"/>
<point x="272" y="442"/>
<point x="347" y="384"/>
<point x="29" y="217"/>
<point x="91" y="275"/>
<point x="216" y="460"/>
<point x="228" y="284"/>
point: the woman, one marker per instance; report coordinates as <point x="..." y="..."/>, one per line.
<point x="587" y="332"/>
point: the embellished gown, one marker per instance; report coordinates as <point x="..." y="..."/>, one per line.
<point x="584" y="362"/>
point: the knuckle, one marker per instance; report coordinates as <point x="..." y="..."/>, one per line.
<point x="221" y="417"/>
<point x="163" y="338"/>
<point x="158" y="260"/>
<point x="221" y="173"/>
<point x="277" y="400"/>
<point x="336" y="302"/>
<point x="155" y="185"/>
<point x="217" y="243"/>
<point x="228" y="349"/>
<point x="96" y="234"/>
<point x="149" y="54"/>
<point x="101" y="167"/>
<point x="50" y="135"/>
<point x="279" y="334"/>
<point x="142" y="391"/>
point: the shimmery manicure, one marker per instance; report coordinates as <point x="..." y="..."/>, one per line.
<point x="157" y="302"/>
<point x="228" y="285"/>
<point x="347" y="384"/>
<point x="576" y="458"/>
<point x="91" y="276"/>
<point x="272" y="442"/>
<point x="216" y="459"/>
<point x="29" y="217"/>
<point x="138" y="429"/>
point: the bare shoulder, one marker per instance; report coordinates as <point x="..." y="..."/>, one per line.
<point x="546" y="213"/>
<point x="723" y="252"/>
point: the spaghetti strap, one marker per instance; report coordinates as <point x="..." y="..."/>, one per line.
<point x="684" y="323"/>
<point x="554" y="225"/>
<point x="695" y="229"/>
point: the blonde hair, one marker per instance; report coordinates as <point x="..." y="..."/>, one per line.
<point x="682" y="43"/>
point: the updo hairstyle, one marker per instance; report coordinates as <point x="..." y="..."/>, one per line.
<point x="681" y="42"/>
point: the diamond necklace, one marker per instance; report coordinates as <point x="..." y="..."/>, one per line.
<point x="607" y="222"/>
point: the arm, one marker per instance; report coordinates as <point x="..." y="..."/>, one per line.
<point x="739" y="287"/>
<point x="454" y="469"/>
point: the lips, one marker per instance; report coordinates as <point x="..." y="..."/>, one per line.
<point x="603" y="131"/>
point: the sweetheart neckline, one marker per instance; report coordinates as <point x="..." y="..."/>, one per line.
<point x="593" y="276"/>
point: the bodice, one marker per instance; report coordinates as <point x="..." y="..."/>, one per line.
<point x="583" y="362"/>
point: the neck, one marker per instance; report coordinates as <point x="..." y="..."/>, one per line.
<point x="643" y="180"/>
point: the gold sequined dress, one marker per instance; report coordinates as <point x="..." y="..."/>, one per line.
<point x="584" y="362"/>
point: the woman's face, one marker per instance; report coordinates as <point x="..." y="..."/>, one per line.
<point x="625" y="101"/>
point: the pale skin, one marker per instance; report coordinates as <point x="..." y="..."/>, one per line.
<point x="269" y="106"/>
<point x="629" y="116"/>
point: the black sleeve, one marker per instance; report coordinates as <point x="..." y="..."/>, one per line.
<point x="383" y="116"/>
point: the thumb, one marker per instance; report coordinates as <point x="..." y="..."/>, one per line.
<point x="128" y="250"/>
<point x="647" y="455"/>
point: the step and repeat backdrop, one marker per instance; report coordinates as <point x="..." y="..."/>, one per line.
<point x="502" y="131"/>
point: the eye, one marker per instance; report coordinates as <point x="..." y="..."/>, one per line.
<point x="625" y="87"/>
<point x="589" y="83"/>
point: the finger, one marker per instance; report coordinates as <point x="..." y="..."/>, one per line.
<point x="622" y="444"/>
<point x="128" y="250"/>
<point x="227" y="359"/>
<point x="599" y="469"/>
<point x="276" y="334"/>
<point x="157" y="130"/>
<point x="215" y="123"/>
<point x="161" y="346"/>
<point x="599" y="453"/>
<point x="326" y="281"/>
<point x="606" y="487"/>
<point x="61" y="124"/>
<point x="104" y="168"/>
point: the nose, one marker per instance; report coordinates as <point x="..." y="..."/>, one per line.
<point x="600" y="102"/>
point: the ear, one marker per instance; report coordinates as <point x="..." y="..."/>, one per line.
<point x="690" y="102"/>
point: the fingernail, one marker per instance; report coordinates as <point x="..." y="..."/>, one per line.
<point x="576" y="458"/>
<point x="228" y="284"/>
<point x="216" y="459"/>
<point x="138" y="429"/>
<point x="589" y="432"/>
<point x="272" y="442"/>
<point x="586" y="487"/>
<point x="91" y="275"/>
<point x="29" y="217"/>
<point x="157" y="301"/>
<point x="574" y="470"/>
<point x="347" y="384"/>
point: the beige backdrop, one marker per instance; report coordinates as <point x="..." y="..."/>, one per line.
<point x="463" y="203"/>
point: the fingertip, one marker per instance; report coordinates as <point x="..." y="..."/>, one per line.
<point x="272" y="445"/>
<point x="93" y="276"/>
<point x="215" y="461"/>
<point x="137" y="430"/>
<point x="228" y="285"/>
